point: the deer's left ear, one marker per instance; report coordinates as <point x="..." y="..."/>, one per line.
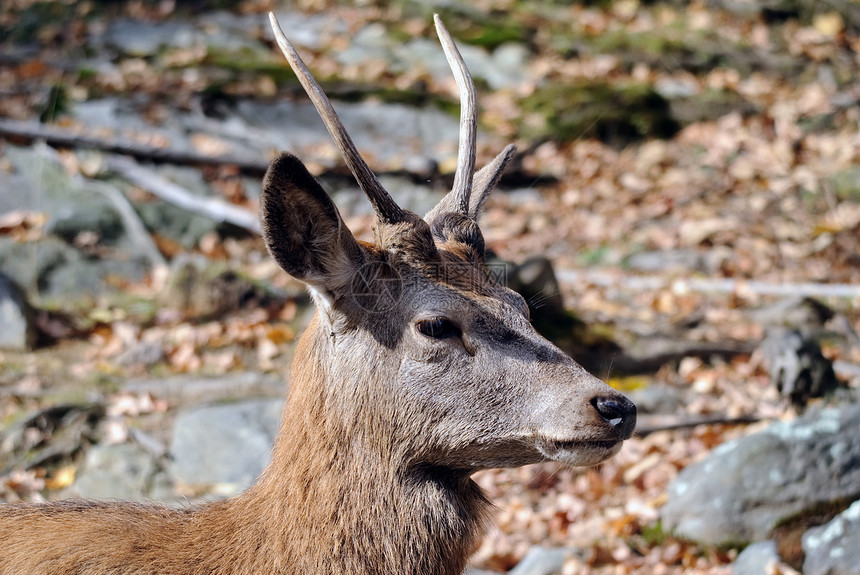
<point x="304" y="231"/>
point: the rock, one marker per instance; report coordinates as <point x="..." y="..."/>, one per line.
<point x="797" y="313"/>
<point x="42" y="184"/>
<point x="69" y="426"/>
<point x="187" y="390"/>
<point x="616" y="114"/>
<point x="747" y="486"/>
<point x="391" y="136"/>
<point x="656" y="398"/>
<point x="141" y="353"/>
<point x="797" y="367"/>
<point x="142" y="39"/>
<point x="535" y="280"/>
<point x="203" y="289"/>
<point x="225" y="446"/>
<point x="544" y="561"/>
<point x="68" y="260"/>
<point x="169" y="221"/>
<point x="834" y="548"/>
<point x="16" y="316"/>
<point x="124" y="471"/>
<point x="669" y="261"/>
<point x="755" y="559"/>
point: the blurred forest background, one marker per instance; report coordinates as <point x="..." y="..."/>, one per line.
<point x="683" y="217"/>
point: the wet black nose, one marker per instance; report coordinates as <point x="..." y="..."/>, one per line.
<point x="618" y="411"/>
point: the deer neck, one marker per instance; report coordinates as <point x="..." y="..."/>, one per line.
<point x="336" y="503"/>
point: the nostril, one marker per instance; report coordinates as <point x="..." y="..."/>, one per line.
<point x="619" y="412"/>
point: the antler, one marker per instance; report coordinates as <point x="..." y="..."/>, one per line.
<point x="468" y="119"/>
<point x="386" y="208"/>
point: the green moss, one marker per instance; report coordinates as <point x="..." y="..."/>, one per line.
<point x="709" y="105"/>
<point x="247" y="60"/>
<point x="653" y="535"/>
<point x="846" y="184"/>
<point x="614" y="113"/>
<point x="674" y="47"/>
<point x="470" y="25"/>
<point x="24" y="26"/>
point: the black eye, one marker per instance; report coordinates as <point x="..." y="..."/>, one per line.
<point x="437" y="327"/>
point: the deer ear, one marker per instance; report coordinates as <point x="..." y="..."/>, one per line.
<point x="487" y="178"/>
<point x="304" y="231"/>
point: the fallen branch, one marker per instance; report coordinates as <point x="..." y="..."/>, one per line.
<point x="705" y="285"/>
<point x="212" y="208"/>
<point x="648" y="424"/>
<point x="65" y="138"/>
<point x="131" y="221"/>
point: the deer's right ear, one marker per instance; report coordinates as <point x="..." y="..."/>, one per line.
<point x="304" y="231"/>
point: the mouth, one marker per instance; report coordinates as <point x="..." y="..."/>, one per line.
<point x="578" y="453"/>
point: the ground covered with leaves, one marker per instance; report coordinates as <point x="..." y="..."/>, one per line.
<point x="720" y="136"/>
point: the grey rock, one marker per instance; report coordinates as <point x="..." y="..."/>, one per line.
<point x="745" y="487"/>
<point x="667" y="260"/>
<point x="186" y="391"/>
<point x="224" y="445"/>
<point x="389" y="135"/>
<point x="671" y="88"/>
<point x="544" y="561"/>
<point x="175" y="223"/>
<point x="755" y="558"/>
<point x="141" y="39"/>
<point x="796" y="366"/>
<point x="657" y="398"/>
<point x="535" y="280"/>
<point x="144" y="354"/>
<point x="124" y="471"/>
<point x="834" y="548"/>
<point x="42" y="184"/>
<point x="804" y="313"/>
<point x="37" y="182"/>
<point x="18" y="330"/>
<point x="202" y="289"/>
<point x="62" y="273"/>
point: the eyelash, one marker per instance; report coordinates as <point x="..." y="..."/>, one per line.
<point x="437" y="327"/>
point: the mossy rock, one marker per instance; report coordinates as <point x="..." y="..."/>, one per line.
<point x="614" y="113"/>
<point x="846" y="184"/>
<point x="470" y="25"/>
<point x="709" y="105"/>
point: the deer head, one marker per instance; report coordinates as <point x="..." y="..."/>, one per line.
<point x="421" y="354"/>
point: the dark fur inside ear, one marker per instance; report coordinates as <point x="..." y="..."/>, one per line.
<point x="302" y="227"/>
<point x="451" y="227"/>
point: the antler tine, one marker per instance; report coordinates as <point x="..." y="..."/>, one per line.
<point x="386" y="208"/>
<point x="468" y="118"/>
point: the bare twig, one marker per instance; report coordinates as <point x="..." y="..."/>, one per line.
<point x="65" y="138"/>
<point x="705" y="285"/>
<point x="215" y="209"/>
<point x="648" y="424"/>
<point x="131" y="221"/>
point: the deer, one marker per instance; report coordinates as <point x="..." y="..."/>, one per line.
<point x="418" y="369"/>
